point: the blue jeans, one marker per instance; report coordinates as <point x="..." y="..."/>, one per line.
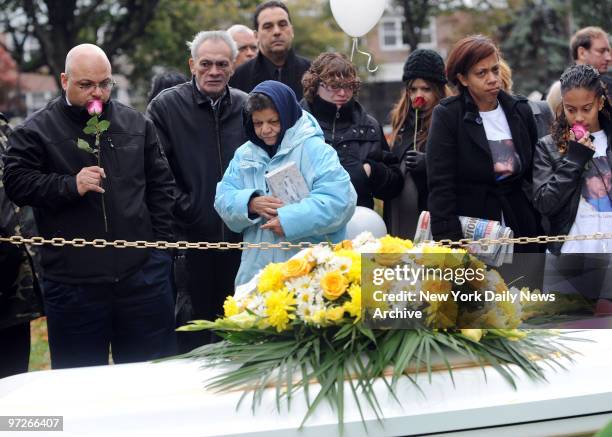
<point x="134" y="317"/>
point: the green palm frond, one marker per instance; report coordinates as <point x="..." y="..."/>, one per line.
<point x="291" y="362"/>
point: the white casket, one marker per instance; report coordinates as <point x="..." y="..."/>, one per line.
<point x="169" y="399"/>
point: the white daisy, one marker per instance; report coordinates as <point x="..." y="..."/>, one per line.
<point x="322" y="254"/>
<point x="341" y="263"/>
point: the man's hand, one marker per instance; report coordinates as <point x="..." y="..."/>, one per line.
<point x="89" y="179"/>
<point x="265" y="206"/>
<point x="275" y="226"/>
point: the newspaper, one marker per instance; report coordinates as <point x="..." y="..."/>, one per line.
<point x="475" y="229"/>
<point x="287" y="183"/>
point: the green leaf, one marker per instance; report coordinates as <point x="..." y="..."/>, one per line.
<point x="92" y="121"/>
<point x="367" y="332"/>
<point x="103" y="125"/>
<point x="84" y="145"/>
<point x="89" y="130"/>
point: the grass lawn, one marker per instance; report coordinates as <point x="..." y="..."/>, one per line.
<point x="39" y="351"/>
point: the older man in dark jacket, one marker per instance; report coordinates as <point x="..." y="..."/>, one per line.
<point x="96" y="298"/>
<point x="199" y="123"/>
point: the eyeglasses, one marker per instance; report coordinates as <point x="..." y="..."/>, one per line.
<point x="206" y="65"/>
<point x="336" y="87"/>
<point x="105" y="85"/>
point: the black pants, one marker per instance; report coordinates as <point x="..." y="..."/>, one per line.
<point x="14" y="349"/>
<point x="210" y="279"/>
<point x="134" y="317"/>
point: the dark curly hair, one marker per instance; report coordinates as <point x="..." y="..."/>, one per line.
<point x="331" y="68"/>
<point x="578" y="76"/>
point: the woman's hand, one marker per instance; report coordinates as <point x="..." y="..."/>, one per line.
<point x="415" y="161"/>
<point x="265" y="206"/>
<point x="275" y="226"/>
<point x="585" y="140"/>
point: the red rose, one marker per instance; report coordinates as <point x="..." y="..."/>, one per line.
<point x="419" y="102"/>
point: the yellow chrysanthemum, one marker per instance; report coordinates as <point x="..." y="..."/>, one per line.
<point x="230" y="306"/>
<point x="272" y="278"/>
<point x="353" y="306"/>
<point x="280" y="305"/>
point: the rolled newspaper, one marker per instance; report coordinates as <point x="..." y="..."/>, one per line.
<point x="475" y="229"/>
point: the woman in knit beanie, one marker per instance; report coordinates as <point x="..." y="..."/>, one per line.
<point x="425" y="82"/>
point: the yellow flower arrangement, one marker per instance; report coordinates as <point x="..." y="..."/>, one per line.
<point x="307" y="319"/>
<point x="322" y="287"/>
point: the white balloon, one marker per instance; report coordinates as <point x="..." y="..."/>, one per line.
<point x="357" y="17"/>
<point x="365" y="219"/>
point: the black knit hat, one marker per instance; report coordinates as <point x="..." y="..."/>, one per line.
<point x="424" y="64"/>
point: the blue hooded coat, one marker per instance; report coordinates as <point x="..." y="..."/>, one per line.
<point x="322" y="216"/>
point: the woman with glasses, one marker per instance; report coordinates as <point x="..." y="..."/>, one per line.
<point x="425" y="86"/>
<point x="329" y="88"/>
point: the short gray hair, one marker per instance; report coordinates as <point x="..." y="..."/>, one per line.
<point x="212" y="35"/>
<point x="240" y="28"/>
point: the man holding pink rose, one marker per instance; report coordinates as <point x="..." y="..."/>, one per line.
<point x="92" y="168"/>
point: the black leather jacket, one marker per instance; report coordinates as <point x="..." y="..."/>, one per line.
<point x="200" y="140"/>
<point x="358" y="138"/>
<point x="40" y="170"/>
<point x="557" y="181"/>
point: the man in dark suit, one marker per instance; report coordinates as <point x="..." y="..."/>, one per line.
<point x="276" y="59"/>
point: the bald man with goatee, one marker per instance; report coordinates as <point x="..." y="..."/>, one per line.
<point x="97" y="300"/>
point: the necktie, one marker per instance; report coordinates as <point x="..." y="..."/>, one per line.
<point x="277" y="74"/>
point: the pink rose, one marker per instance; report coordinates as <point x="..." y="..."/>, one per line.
<point x="419" y="102"/>
<point x="579" y="130"/>
<point x="94" y="107"/>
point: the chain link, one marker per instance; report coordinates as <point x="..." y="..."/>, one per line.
<point x="283" y="245"/>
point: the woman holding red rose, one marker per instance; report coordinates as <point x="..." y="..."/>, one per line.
<point x="330" y="85"/>
<point x="425" y="82"/>
<point x="480" y="148"/>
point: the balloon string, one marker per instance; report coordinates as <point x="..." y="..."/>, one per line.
<point x="356" y="49"/>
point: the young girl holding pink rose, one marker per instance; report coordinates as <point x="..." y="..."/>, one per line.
<point x="572" y="187"/>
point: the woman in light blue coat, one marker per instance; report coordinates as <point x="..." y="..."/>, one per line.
<point x="281" y="133"/>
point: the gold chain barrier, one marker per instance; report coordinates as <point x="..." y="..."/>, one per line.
<point x="283" y="245"/>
